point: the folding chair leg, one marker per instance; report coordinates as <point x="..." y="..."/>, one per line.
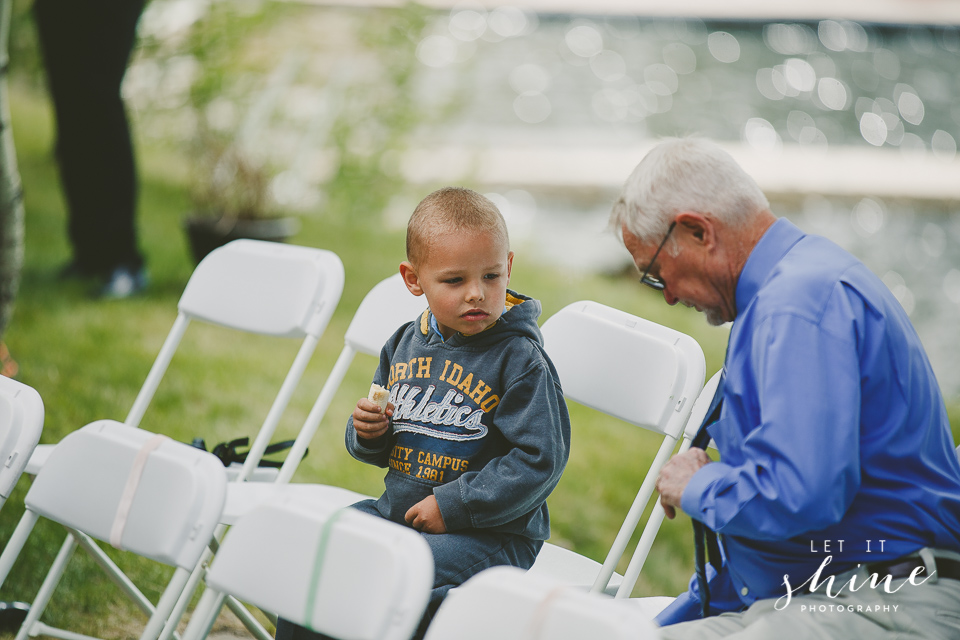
<point x="205" y="614"/>
<point x="41" y="629"/>
<point x="47" y="588"/>
<point x="165" y="606"/>
<point x="180" y="608"/>
<point x="251" y="623"/>
<point x="16" y="542"/>
<point x="640" y="554"/>
<point x="113" y="571"/>
<point x="317" y="412"/>
<point x="633" y="516"/>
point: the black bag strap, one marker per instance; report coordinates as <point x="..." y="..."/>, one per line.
<point x="228" y="452"/>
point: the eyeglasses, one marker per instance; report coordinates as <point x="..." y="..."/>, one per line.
<point x="652" y="281"/>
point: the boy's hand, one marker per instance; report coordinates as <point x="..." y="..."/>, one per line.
<point x="425" y="516"/>
<point x="368" y="422"/>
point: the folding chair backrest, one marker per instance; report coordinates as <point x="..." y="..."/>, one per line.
<point x="21" y="420"/>
<point x="387" y="306"/>
<point x="643" y="373"/>
<point x="261" y="287"/>
<point x="139" y="491"/>
<point x="507" y="603"/>
<point x="265" y="287"/>
<point x="337" y="571"/>
<point x="626" y="366"/>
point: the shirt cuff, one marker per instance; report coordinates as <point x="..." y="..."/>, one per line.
<point x="452" y="508"/>
<point x="693" y="501"/>
<point x="371" y="445"/>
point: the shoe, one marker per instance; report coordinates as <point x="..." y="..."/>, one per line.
<point x="124" y="282"/>
<point x="12" y="615"/>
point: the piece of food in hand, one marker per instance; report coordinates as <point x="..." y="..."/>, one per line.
<point x="379" y="395"/>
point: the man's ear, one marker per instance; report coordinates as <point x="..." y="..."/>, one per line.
<point x="410" y="278"/>
<point x="702" y="228"/>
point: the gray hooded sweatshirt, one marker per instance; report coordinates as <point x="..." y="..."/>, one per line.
<point x="479" y="422"/>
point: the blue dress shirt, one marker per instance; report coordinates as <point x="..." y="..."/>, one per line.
<point x="834" y="438"/>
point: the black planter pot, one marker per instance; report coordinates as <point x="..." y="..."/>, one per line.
<point x="207" y="232"/>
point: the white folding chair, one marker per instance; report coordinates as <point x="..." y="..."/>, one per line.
<point x="21" y="420"/>
<point x="263" y="288"/>
<point x="137" y="490"/>
<point x="638" y="371"/>
<point x="334" y="570"/>
<point x="382" y="311"/>
<point x="507" y="603"/>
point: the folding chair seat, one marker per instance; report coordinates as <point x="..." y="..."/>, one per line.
<point x="637" y="371"/>
<point x="335" y="570"/>
<point x="140" y="491"/>
<point x="21" y="420"/>
<point x="507" y="603"/>
<point x="382" y="311"/>
<point x="254" y="287"/>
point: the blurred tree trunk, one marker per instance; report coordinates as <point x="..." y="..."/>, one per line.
<point x="11" y="193"/>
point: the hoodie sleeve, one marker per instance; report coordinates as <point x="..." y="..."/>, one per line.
<point x="533" y="418"/>
<point x="375" y="451"/>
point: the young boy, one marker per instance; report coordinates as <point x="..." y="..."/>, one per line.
<point x="476" y="433"/>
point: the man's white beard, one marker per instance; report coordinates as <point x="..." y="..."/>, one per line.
<point x="714" y="317"/>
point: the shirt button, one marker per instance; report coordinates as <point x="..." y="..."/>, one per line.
<point x="744" y="591"/>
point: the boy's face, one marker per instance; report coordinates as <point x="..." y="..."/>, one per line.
<point x="464" y="276"/>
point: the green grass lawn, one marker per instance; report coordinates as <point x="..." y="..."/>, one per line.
<point x="88" y="358"/>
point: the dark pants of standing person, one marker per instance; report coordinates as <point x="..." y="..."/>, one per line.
<point x="86" y="46"/>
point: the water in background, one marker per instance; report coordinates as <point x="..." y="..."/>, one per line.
<point x="508" y="75"/>
<point x="826" y="83"/>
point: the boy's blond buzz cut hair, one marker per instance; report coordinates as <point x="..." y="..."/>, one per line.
<point x="452" y="209"/>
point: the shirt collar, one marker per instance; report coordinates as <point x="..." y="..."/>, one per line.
<point x="773" y="245"/>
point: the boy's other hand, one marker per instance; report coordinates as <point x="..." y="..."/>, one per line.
<point x="425" y="516"/>
<point x="368" y="422"/>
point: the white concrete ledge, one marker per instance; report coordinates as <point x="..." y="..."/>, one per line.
<point x="793" y="170"/>
<point x="940" y="12"/>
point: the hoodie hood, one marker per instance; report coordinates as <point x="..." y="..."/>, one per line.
<point x="519" y="320"/>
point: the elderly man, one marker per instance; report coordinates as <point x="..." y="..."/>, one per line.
<point x="837" y="495"/>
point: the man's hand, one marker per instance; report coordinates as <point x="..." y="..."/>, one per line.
<point x="368" y="422"/>
<point x="425" y="516"/>
<point x="676" y="474"/>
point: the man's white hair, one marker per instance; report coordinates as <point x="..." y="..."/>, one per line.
<point x="685" y="175"/>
